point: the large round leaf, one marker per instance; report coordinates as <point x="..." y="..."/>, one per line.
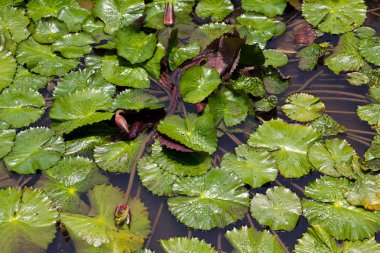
<point x="183" y="244"/>
<point x="334" y="16"/>
<point x="25" y="79"/>
<point x="21" y="107"/>
<point x="34" y="149"/>
<point x="370" y="50"/>
<point x="369" y="113"/>
<point x="326" y="125"/>
<point x="27" y="220"/>
<point x="47" y="8"/>
<point x="73" y="17"/>
<point x="270" y="8"/>
<point x="74" y="45"/>
<point x="198" y="82"/>
<point x="136" y="100"/>
<point x="13" y="24"/>
<point x="275" y="58"/>
<point x="7" y="68"/>
<point x="179" y="55"/>
<point x="303" y="107"/>
<point x="215" y="199"/>
<point x="279" y="208"/>
<point x="218" y="10"/>
<point x="252" y="166"/>
<point x="289" y="144"/>
<point x="49" y="30"/>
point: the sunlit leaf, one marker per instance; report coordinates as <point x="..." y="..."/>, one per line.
<point x="74" y="45"/>
<point x="217" y="10"/>
<point x="136" y="100"/>
<point x="21" y="107"/>
<point x="275" y="58"/>
<point x="206" y="33"/>
<point x="34" y="149"/>
<point x="80" y="108"/>
<point x="6" y="3"/>
<point x="114" y="72"/>
<point x="326" y="125"/>
<point x="370" y="50"/>
<point x="374" y="150"/>
<point x="274" y="81"/>
<point x="64" y="183"/>
<point x="183" y="244"/>
<point x="135" y="46"/>
<point x="7" y="68"/>
<point x="316" y="240"/>
<point x="41" y="59"/>
<point x="6" y="140"/>
<point x="250" y="240"/>
<point x="215" y="199"/>
<point x="270" y="8"/>
<point x="303" y="107"/>
<point x="334" y="16"/>
<point x="197" y="133"/>
<point x="251" y="85"/>
<point x="370" y="245"/>
<point x="364" y="32"/>
<point x="85" y="144"/>
<point x="99" y="229"/>
<point x="198" y="82"/>
<point x="153" y="66"/>
<point x="47" y="30"/>
<point x="266" y="104"/>
<point x="253" y="167"/>
<point x="27" y="220"/>
<point x="309" y="56"/>
<point x="13" y="24"/>
<point x="47" y="8"/>
<point x="73" y="17"/>
<point x="289" y="144"/>
<point x="279" y="208"/>
<point x="369" y="113"/>
<point x="117" y="156"/>
<point x="179" y="55"/>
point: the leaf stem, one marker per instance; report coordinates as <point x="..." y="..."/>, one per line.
<point x="234" y="138"/>
<point x="341" y="112"/>
<point x="375" y="9"/>
<point x="358" y="140"/>
<point x="250" y="221"/>
<point x="219" y="242"/>
<point x="343" y="93"/>
<point x="360" y="137"/>
<point x="309" y="81"/>
<point x="296" y="186"/>
<point x="280" y="241"/>
<point x="360" y="131"/>
<point x="154" y="225"/>
<point x="345" y="99"/>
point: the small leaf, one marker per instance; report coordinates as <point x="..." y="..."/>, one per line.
<point x="217" y="10"/>
<point x="274" y="81"/>
<point x="73" y="17"/>
<point x="270" y="8"/>
<point x="274" y="58"/>
<point x="370" y="50"/>
<point x="279" y="208"/>
<point x="206" y="33"/>
<point x="251" y="85"/>
<point x="325" y="125"/>
<point x="13" y="24"/>
<point x="303" y="107"/>
<point x="7" y="68"/>
<point x="48" y="30"/>
<point x="198" y="82"/>
<point x="179" y="55"/>
<point x="34" y="149"/>
<point x="74" y="45"/>
<point x="25" y="79"/>
<point x="366" y="192"/>
<point x="309" y="56"/>
<point x="82" y="145"/>
<point x="153" y="65"/>
<point x="6" y="140"/>
<point x="265" y="104"/>
<point x="369" y="113"/>
<point x="183" y="244"/>
<point x="136" y="100"/>
<point x="364" y="32"/>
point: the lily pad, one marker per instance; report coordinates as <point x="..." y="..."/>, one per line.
<point x="335" y="16"/>
<point x="253" y="167"/>
<point x="183" y="244"/>
<point x="100" y="231"/>
<point x="217" y="10"/>
<point x="38" y="9"/>
<point x="13" y="24"/>
<point x="270" y="8"/>
<point x="86" y="144"/>
<point x="274" y="58"/>
<point x="198" y="82"/>
<point x="370" y="50"/>
<point x="251" y="85"/>
<point x="309" y="56"/>
<point x="206" y="33"/>
<point x="366" y="192"/>
<point x="279" y="208"/>
<point x="34" y="149"/>
<point x="153" y="65"/>
<point x="6" y="140"/>
<point x="364" y="32"/>
<point x="325" y="125"/>
<point x="65" y="182"/>
<point x="136" y="100"/>
<point x="179" y="55"/>
<point x="197" y="133"/>
<point x="7" y="68"/>
<point x="303" y="107"/>
<point x="21" y="107"/>
<point x="73" y="17"/>
<point x="289" y="144"/>
<point x="25" y="79"/>
<point x="74" y="45"/>
<point x="369" y="113"/>
<point x="215" y="199"/>
<point x="266" y="104"/>
<point x="27" y="221"/>
<point x="274" y="81"/>
<point x="250" y="240"/>
<point x="47" y="30"/>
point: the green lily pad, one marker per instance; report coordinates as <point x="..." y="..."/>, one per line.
<point x="326" y="125"/>
<point x="309" y="56"/>
<point x="99" y="232"/>
<point x="334" y="16"/>
<point x="73" y="17"/>
<point x="38" y="9"/>
<point x="25" y="79"/>
<point x="13" y="24"/>
<point x="270" y="8"/>
<point x="34" y="149"/>
<point x="7" y="68"/>
<point x="253" y="167"/>
<point x="279" y="208"/>
<point x="197" y="133"/>
<point x="86" y="144"/>
<point x="48" y="30"/>
<point x="198" y="82"/>
<point x="6" y="140"/>
<point x="65" y="182"/>
<point x="179" y="55"/>
<point x="369" y="113"/>
<point x="266" y="104"/>
<point x="251" y="85"/>
<point x="27" y="221"/>
<point x="41" y="59"/>
<point x="117" y="156"/>
<point x="136" y="100"/>
<point x="275" y="58"/>
<point x="289" y="144"/>
<point x="364" y="32"/>
<point x="250" y="240"/>
<point x="114" y="72"/>
<point x="135" y="46"/>
<point x="206" y="33"/>
<point x="217" y="10"/>
<point x="84" y="107"/>
<point x="74" y="45"/>
<point x="215" y="199"/>
<point x="274" y="81"/>
<point x="303" y="107"/>
<point x="153" y="65"/>
<point x="183" y="244"/>
<point x="374" y="150"/>
<point x="118" y="13"/>
<point x="21" y="107"/>
<point x="370" y="50"/>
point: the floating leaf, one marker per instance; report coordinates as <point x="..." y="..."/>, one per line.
<point x="334" y="16"/>
<point x="48" y="30"/>
<point x="251" y="85"/>
<point x="197" y="133"/>
<point x="364" y="32"/>
<point x="183" y="244"/>
<point x="21" y="107"/>
<point x="13" y="24"/>
<point x="274" y="81"/>
<point x="369" y="113"/>
<point x="117" y="156"/>
<point x="73" y="17"/>
<point x="206" y="33"/>
<point x="250" y="240"/>
<point x="253" y="167"/>
<point x="217" y="10"/>
<point x="275" y="58"/>
<point x="6" y="140"/>
<point x="99" y="230"/>
<point x="7" y="68"/>
<point x="303" y="107"/>
<point x="366" y="192"/>
<point x="135" y="46"/>
<point x="309" y="56"/>
<point x="153" y="65"/>
<point x="266" y="104"/>
<point x="74" y="45"/>
<point x="270" y="8"/>
<point x="279" y="208"/>
<point x="25" y="79"/>
<point x="198" y="82"/>
<point x="325" y="125"/>
<point x="215" y="199"/>
<point x="47" y="8"/>
<point x="81" y="108"/>
<point x="113" y="72"/>
<point x="370" y="50"/>
<point x="179" y="55"/>
<point x="64" y="183"/>
<point x="374" y="151"/>
<point x="27" y="220"/>
<point x="34" y="149"/>
<point x="289" y="144"/>
<point x="41" y="59"/>
<point x="85" y="144"/>
<point x="136" y="100"/>
<point x="118" y="13"/>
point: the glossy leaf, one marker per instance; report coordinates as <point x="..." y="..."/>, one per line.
<point x="21" y="107"/>
<point x="279" y="208"/>
<point x="183" y="244"/>
<point x="179" y="55"/>
<point x="366" y="192"/>
<point x="206" y="33"/>
<point x="303" y="107"/>
<point x="6" y="140"/>
<point x="325" y="125"/>
<point x="275" y="58"/>
<point x="369" y="113"/>
<point x="364" y="32"/>
<point x="274" y="81"/>
<point x="197" y="133"/>
<point x="251" y="85"/>
<point x="34" y="149"/>
<point x="253" y="167"/>
<point x="370" y="50"/>
<point x="270" y="8"/>
<point x="27" y="221"/>
<point x="266" y="104"/>
<point x="25" y="79"/>
<point x="153" y="65"/>
<point x="47" y="30"/>
<point x="73" y="17"/>
<point x="309" y="56"/>
<point x="217" y="10"/>
<point x="198" y="82"/>
<point x="136" y="100"/>
<point x="85" y="144"/>
<point x="47" y="8"/>
<point x="289" y="144"/>
<point x="74" y="45"/>
<point x="215" y="199"/>
<point x="13" y="24"/>
<point x="7" y="68"/>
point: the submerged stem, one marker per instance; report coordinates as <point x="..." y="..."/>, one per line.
<point x="280" y="241"/>
<point x="309" y="82"/>
<point x="154" y="225"/>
